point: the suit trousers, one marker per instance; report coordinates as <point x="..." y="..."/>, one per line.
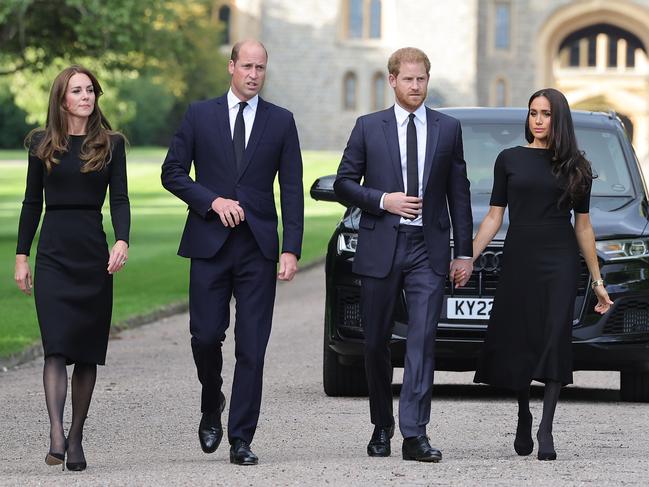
<point x="238" y="269"/>
<point x="424" y="293"/>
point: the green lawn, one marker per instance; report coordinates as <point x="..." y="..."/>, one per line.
<point x="155" y="275"/>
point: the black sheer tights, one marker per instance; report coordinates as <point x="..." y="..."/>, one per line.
<point x="55" y="381"/>
<point x="523" y="429"/>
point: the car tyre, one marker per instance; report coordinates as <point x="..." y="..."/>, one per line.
<point x="634" y="386"/>
<point x="342" y="380"/>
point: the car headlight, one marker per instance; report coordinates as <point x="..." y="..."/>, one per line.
<point x="623" y="249"/>
<point x="347" y="242"/>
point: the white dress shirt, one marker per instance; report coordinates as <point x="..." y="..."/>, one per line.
<point x="402" y="128"/>
<point x="249" y="113"/>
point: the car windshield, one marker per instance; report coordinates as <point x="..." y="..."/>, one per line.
<point x="483" y="142"/>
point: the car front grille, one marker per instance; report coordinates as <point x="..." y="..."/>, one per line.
<point x="630" y="316"/>
<point x="349" y="308"/>
<point x="486" y="274"/>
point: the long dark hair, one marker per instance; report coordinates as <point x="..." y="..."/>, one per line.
<point x="53" y="140"/>
<point x="569" y="163"/>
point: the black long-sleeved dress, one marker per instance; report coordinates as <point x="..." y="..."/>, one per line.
<point x="530" y="328"/>
<point x="72" y="288"/>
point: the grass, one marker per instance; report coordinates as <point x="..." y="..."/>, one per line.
<point x="155" y="275"/>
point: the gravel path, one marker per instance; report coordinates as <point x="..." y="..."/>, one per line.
<point x="143" y="420"/>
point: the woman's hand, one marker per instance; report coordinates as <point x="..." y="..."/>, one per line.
<point x="118" y="257"/>
<point x="603" y="301"/>
<point x="23" y="275"/>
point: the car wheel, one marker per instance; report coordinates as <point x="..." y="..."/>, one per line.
<point x="634" y="386"/>
<point x="342" y="380"/>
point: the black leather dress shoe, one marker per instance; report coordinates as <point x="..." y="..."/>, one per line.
<point x="210" y="429"/>
<point x="418" y="448"/>
<point x="379" y="445"/>
<point x="241" y="454"/>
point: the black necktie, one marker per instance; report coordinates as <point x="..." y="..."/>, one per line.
<point x="412" y="170"/>
<point x="239" y="136"/>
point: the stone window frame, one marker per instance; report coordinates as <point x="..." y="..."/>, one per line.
<point x="503" y="81"/>
<point x="365" y="38"/>
<point x="379" y="103"/>
<point x="492" y="50"/>
<point x="350" y="100"/>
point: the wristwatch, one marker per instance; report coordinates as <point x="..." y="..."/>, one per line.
<point x="596" y="282"/>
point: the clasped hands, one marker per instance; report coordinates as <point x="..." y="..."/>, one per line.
<point x="410" y="207"/>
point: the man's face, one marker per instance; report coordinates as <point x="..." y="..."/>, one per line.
<point x="410" y="85"/>
<point x="248" y="72"/>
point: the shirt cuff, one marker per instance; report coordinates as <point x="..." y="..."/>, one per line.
<point x="463" y="257"/>
<point x="381" y="202"/>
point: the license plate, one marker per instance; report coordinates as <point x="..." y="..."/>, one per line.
<point x="468" y="308"/>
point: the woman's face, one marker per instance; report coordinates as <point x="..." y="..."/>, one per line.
<point x="79" y="96"/>
<point x="540" y="119"/>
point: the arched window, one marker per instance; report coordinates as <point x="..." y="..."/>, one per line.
<point x="224" y="18"/>
<point x="350" y="85"/>
<point x="362" y="19"/>
<point x="601" y="46"/>
<point x="378" y="91"/>
<point x="500" y="93"/>
<point x="502" y="24"/>
<point x="355" y="19"/>
<point x="375" y="19"/>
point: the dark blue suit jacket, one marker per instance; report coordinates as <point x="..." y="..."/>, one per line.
<point x="204" y="138"/>
<point x="372" y="155"/>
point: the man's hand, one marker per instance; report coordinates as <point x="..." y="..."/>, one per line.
<point x="402" y="205"/>
<point x="287" y="266"/>
<point x="460" y="271"/>
<point x="229" y="211"/>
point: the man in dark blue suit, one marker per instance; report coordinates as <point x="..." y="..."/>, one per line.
<point x="411" y="163"/>
<point x="238" y="144"/>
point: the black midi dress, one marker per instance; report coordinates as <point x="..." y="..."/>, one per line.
<point x="529" y="336"/>
<point x="72" y="288"/>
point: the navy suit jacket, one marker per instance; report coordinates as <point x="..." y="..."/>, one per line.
<point x="372" y="155"/>
<point x="204" y="138"/>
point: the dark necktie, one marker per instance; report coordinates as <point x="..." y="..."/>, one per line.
<point x="239" y="136"/>
<point x="412" y="170"/>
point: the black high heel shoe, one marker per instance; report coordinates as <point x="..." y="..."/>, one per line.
<point x="524" y="444"/>
<point x="546" y="446"/>
<point x="75" y="466"/>
<point x="54" y="459"/>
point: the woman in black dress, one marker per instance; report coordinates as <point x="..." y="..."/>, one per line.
<point x="73" y="161"/>
<point x="530" y="329"/>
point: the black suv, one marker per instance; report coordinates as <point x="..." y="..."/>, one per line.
<point x="618" y="340"/>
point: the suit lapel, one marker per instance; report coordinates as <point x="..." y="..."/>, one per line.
<point x="432" y="127"/>
<point x="258" y="127"/>
<point x="392" y="138"/>
<point x="223" y="124"/>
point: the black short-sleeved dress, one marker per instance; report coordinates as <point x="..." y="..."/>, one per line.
<point x="72" y="288"/>
<point x="530" y="329"/>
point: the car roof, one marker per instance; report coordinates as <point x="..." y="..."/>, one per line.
<point x="580" y="118"/>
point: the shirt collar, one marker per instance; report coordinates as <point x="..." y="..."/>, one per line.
<point x="233" y="101"/>
<point x="402" y="114"/>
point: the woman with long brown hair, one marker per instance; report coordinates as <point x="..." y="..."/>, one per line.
<point x="530" y="328"/>
<point x="72" y="161"/>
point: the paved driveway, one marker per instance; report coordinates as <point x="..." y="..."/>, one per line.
<point x="142" y="424"/>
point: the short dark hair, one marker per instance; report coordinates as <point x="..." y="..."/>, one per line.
<point x="234" y="55"/>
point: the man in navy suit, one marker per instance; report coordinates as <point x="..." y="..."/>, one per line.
<point x="238" y="144"/>
<point x="411" y="163"/>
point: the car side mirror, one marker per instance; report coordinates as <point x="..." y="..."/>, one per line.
<point x="322" y="189"/>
